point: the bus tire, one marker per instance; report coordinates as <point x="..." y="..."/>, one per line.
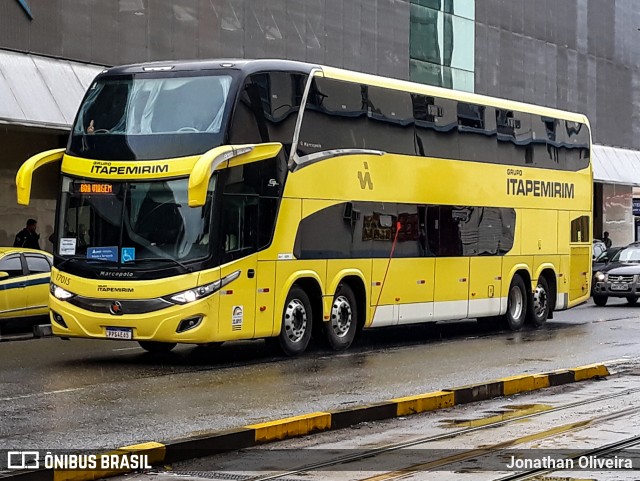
<point x="600" y="300"/>
<point x="540" y="305"/>
<point x="157" y="347"/>
<point x="297" y="323"/>
<point x="516" y="304"/>
<point x="340" y="330"/>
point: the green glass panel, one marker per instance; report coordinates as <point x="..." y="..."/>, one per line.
<point x="459" y="42"/>
<point x="425" y="73"/>
<point x="434" y="4"/>
<point x="423" y="40"/>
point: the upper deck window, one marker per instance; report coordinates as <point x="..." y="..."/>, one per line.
<point x="140" y="117"/>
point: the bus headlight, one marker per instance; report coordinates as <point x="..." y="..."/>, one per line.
<point x="191" y="295"/>
<point x="600" y="277"/>
<point x="60" y="293"/>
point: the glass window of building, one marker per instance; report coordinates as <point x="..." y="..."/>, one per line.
<point x="442" y="43"/>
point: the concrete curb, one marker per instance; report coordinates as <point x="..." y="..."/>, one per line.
<point x="256" y="434"/>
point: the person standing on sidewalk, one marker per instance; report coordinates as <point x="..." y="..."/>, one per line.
<point x="28" y="237"/>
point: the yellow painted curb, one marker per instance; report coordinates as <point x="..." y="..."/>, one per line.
<point x="590" y="371"/>
<point x="540" y="381"/>
<point x="423" y="402"/>
<point x="155" y="453"/>
<point x="517" y="384"/>
<point x="291" y="427"/>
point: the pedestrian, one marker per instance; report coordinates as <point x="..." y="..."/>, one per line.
<point x="607" y="240"/>
<point x="28" y="237"/>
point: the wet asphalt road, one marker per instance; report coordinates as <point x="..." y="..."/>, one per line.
<point x="104" y="394"/>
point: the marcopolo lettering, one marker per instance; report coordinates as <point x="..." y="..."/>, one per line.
<point x="129" y="169"/>
<point x="116" y="274"/>
<point x="540" y="188"/>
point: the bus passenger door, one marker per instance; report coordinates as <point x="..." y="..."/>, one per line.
<point x="451" y="231"/>
<point x="494" y="238"/>
<point x="236" y="318"/>
<point x="581" y="252"/>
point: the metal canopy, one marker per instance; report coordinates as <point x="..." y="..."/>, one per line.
<point x="614" y="165"/>
<point x="42" y="92"/>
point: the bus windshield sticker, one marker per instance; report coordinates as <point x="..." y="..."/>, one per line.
<point x="128" y="254"/>
<point x="103" y="253"/>
<point x="67" y="246"/>
<point x="236" y="318"/>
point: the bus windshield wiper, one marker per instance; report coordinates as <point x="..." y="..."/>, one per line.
<point x="159" y="259"/>
<point x="82" y="258"/>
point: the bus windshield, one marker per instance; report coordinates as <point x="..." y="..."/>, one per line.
<point x="138" y="117"/>
<point x="127" y="222"/>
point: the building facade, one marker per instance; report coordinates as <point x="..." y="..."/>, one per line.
<point x="577" y="55"/>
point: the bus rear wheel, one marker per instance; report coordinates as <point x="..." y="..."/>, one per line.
<point x="340" y="330"/>
<point x="157" y="347"/>
<point x="540" y="305"/>
<point x="516" y="304"/>
<point x="297" y="323"/>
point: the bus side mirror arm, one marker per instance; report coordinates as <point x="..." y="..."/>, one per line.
<point x="208" y="162"/>
<point x="24" y="177"/>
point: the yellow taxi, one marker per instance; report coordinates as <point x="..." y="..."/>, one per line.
<point x="24" y="282"/>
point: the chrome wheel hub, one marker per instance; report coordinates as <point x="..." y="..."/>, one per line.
<point x="516" y="302"/>
<point x="540" y="301"/>
<point x="341" y="316"/>
<point x="295" y="320"/>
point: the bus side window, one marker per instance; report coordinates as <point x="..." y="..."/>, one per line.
<point x="390" y="125"/>
<point x="514" y="138"/>
<point x="267" y="108"/>
<point x="577" y="143"/>
<point x="436" y="127"/>
<point x="547" y="141"/>
<point x="477" y="130"/>
<point x="335" y="117"/>
<point x="239" y="224"/>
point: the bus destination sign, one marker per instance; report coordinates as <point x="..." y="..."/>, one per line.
<point x="91" y="188"/>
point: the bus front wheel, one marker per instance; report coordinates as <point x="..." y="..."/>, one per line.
<point x="157" y="347"/>
<point x="516" y="304"/>
<point x="297" y="322"/>
<point x="340" y="330"/>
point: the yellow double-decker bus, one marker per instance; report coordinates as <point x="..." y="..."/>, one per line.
<point x="209" y="201"/>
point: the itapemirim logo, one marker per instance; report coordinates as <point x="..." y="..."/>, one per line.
<point x="25" y="7"/>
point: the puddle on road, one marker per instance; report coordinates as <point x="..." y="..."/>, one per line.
<point x="510" y="412"/>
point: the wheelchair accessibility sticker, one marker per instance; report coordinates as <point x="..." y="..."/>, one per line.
<point x="128" y="254"/>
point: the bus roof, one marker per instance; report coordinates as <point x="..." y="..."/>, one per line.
<point x="248" y="67"/>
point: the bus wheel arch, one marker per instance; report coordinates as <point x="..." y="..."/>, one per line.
<point x="347" y="315"/>
<point x="543" y="297"/>
<point x="518" y="300"/>
<point x="301" y="311"/>
<point x="356" y="281"/>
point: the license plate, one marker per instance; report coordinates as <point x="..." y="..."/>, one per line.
<point x="119" y="333"/>
<point x="620" y="286"/>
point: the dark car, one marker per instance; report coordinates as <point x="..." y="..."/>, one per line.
<point x="620" y="277"/>
<point x="604" y="258"/>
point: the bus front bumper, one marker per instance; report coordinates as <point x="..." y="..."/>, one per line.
<point x="188" y="323"/>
